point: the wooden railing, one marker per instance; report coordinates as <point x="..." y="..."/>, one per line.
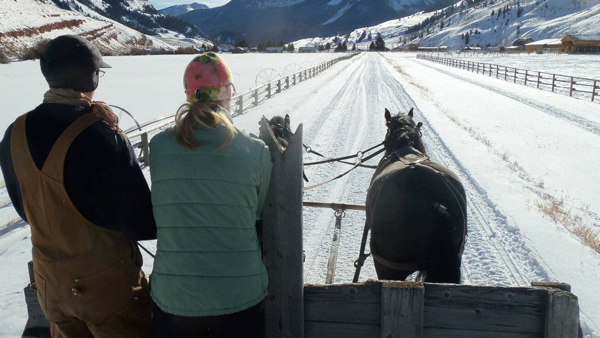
<point x="240" y="102"/>
<point x="563" y="84"/>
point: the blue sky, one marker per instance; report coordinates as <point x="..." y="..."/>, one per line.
<point x="160" y="4"/>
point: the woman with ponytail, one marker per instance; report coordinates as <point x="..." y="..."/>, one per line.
<point x="209" y="184"/>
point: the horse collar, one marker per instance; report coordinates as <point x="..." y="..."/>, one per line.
<point x="409" y="155"/>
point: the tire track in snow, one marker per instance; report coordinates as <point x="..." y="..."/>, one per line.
<point x="578" y="121"/>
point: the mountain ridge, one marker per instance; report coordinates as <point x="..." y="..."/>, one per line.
<point x="261" y="20"/>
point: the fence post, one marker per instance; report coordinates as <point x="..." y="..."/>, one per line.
<point x="538" y="80"/>
<point x="279" y="86"/>
<point x="594" y="91"/>
<point x="241" y="104"/>
<point x="269" y="90"/>
<point x="497" y="72"/>
<point x="515" y="76"/>
<point x="145" y="149"/>
<point x="256" y="97"/>
<point x="287" y="82"/>
<point x="294" y="78"/>
<point x="553" y="81"/>
<point x="505" y="71"/>
<point x="571" y="87"/>
<point x="526" y="73"/>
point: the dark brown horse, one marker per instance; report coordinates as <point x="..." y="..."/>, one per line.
<point x="416" y="209"/>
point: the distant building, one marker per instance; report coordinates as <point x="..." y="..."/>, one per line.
<point x="521" y="42"/>
<point x="274" y="50"/>
<point x="413" y="46"/>
<point x="239" y="50"/>
<point x="544" y="45"/>
<point x="581" y="43"/>
<point x="307" y="49"/>
<point x="433" y="49"/>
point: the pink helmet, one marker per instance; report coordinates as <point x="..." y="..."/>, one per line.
<point x="207" y="78"/>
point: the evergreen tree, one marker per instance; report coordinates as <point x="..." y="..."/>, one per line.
<point x="353" y="47"/>
<point x="492" y="13"/>
<point x="379" y="43"/>
<point x="442" y="25"/>
<point x="214" y="49"/>
<point x="370" y="37"/>
<point x="327" y="46"/>
<point x="467" y="38"/>
<point x="372" y="46"/>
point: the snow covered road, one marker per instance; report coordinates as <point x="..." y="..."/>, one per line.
<point x="516" y="150"/>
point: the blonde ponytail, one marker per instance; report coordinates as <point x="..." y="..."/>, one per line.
<point x="206" y="114"/>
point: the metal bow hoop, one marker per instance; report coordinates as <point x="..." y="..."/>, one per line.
<point x="130" y="115"/>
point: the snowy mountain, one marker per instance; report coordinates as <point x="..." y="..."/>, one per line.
<point x="536" y="19"/>
<point x="182" y="9"/>
<point x="288" y="20"/>
<point x="137" y="14"/>
<point x="26" y="23"/>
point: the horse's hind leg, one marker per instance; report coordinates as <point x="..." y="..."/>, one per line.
<point x="385" y="273"/>
<point x="445" y="271"/>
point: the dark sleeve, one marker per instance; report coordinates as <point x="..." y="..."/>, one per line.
<point x="10" y="177"/>
<point x="106" y="184"/>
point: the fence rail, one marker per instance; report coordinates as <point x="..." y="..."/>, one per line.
<point x="240" y="102"/>
<point x="563" y="84"/>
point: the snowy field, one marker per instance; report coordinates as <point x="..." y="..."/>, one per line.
<point x="586" y="66"/>
<point x="516" y="150"/>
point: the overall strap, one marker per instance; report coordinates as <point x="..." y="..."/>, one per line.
<point x="55" y="162"/>
<point x="19" y="147"/>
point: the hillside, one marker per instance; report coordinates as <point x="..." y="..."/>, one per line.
<point x="26" y="23"/>
<point x="511" y="20"/>
<point x="288" y="20"/>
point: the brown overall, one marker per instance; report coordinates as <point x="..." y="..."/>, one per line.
<point x="87" y="280"/>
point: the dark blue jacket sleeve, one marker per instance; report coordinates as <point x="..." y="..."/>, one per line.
<point x="10" y="177"/>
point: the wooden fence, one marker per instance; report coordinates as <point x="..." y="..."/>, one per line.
<point x="568" y="85"/>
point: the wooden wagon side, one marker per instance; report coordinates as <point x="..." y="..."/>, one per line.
<point x="404" y="309"/>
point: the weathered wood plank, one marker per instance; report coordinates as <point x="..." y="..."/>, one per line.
<point x="343" y="303"/>
<point x="556" y="285"/>
<point x="336" y="330"/>
<point x="282" y="234"/>
<point x="402" y="310"/>
<point x="485" y="308"/>
<point x="562" y="316"/>
<point x="449" y="333"/>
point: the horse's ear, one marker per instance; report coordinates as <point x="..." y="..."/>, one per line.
<point x="388" y="115"/>
<point x="410" y="112"/>
<point x="419" y="125"/>
<point x="287" y="122"/>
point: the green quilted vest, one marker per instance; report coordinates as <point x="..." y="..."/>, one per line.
<point x="205" y="204"/>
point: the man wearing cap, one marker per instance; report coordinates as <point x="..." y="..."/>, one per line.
<point x="72" y="175"/>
